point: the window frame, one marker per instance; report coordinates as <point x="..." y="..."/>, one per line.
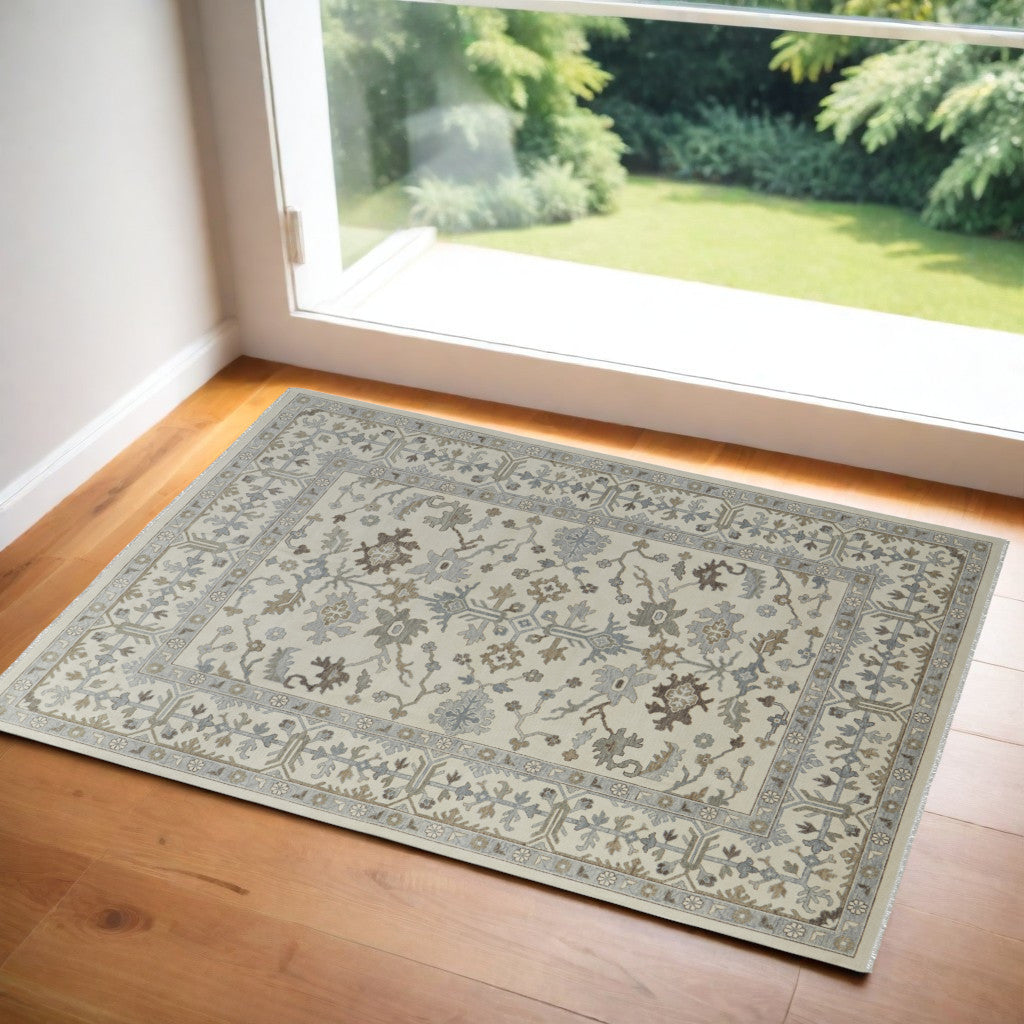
<point x="765" y="18"/>
<point x="274" y="325"/>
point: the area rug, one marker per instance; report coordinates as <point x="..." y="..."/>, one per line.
<point x="702" y="700"/>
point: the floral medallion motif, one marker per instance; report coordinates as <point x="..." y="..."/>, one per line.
<point x="716" y="704"/>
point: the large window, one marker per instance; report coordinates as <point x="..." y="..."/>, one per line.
<point x="720" y="192"/>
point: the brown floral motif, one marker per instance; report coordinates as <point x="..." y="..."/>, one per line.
<point x="675" y="699"/>
<point x="709" y="574"/>
<point x="390" y="550"/>
<point x="502" y="657"/>
<point x="339" y="610"/>
<point x="331" y="674"/>
<point x="545" y="590"/>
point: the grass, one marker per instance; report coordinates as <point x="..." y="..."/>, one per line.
<point x="874" y="257"/>
<point x="367" y="220"/>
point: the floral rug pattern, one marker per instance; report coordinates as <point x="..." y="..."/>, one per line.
<point x="710" y="702"/>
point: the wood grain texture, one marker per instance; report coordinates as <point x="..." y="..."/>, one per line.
<point x="929" y="969"/>
<point x="41" y="602"/>
<point x="65" y="799"/>
<point x="966" y="873"/>
<point x="979" y="781"/>
<point x="34" y="878"/>
<point x="21" y="1003"/>
<point x="198" y="907"/>
<point x="205" y="961"/>
<point x="992" y="703"/>
<point x="1002" y="638"/>
<point x="597" y="960"/>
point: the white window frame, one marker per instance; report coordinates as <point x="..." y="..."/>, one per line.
<point x="279" y="321"/>
<point x="753" y="17"/>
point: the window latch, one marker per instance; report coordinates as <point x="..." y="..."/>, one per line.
<point x="293" y="236"/>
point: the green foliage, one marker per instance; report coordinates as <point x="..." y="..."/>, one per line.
<point x="650" y="138"/>
<point x="775" y="154"/>
<point x="972" y="98"/>
<point x="806" y="57"/>
<point x="969" y="97"/>
<point x="444" y="94"/>
<point x="366" y="56"/>
<point x="561" y="196"/>
<point x="551" y="194"/>
<point x="667" y="68"/>
<point x="448" y="206"/>
<point x="537" y="63"/>
<point x="512" y="203"/>
<point x="585" y="142"/>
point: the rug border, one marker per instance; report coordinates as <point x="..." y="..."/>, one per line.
<point x="881" y="910"/>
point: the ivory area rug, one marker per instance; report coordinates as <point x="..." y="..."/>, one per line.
<point x="705" y="701"/>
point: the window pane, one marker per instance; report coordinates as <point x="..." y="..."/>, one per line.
<point x="594" y="179"/>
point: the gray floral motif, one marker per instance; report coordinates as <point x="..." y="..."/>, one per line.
<point x="617" y="684"/>
<point x="714" y="629"/>
<point x="445" y="565"/>
<point x="396" y="627"/>
<point x="577" y="544"/>
<point x="335" y="617"/>
<point x="658" y="617"/>
<point x="469" y="713"/>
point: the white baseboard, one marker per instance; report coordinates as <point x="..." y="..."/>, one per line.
<point x="29" y="497"/>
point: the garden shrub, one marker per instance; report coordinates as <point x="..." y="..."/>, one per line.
<point x="648" y="137"/>
<point x="512" y="202"/>
<point x="668" y="68"/>
<point x="561" y="196"/>
<point x="447" y="205"/>
<point x="451" y="97"/>
<point x="999" y="211"/>
<point x="775" y="154"/>
<point x="585" y="141"/>
<point x="551" y="194"/>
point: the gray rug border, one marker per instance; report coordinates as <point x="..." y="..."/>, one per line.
<point x="879" y="916"/>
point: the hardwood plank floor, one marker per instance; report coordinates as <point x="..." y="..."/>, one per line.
<point x="992" y="703"/>
<point x="931" y="969"/>
<point x="34" y="878"/>
<point x="980" y="781"/>
<point x="125" y="897"/>
<point x="597" y="961"/>
<point x="205" y="961"/>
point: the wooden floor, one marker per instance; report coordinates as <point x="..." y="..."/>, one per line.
<point x="124" y="897"/>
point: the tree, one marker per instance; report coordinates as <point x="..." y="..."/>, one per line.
<point x="481" y="70"/>
<point x="971" y="97"/>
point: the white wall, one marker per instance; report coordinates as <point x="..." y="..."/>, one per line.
<point x="110" y="308"/>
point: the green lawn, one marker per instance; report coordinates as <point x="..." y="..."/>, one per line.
<point x="366" y="221"/>
<point x="876" y="257"/>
